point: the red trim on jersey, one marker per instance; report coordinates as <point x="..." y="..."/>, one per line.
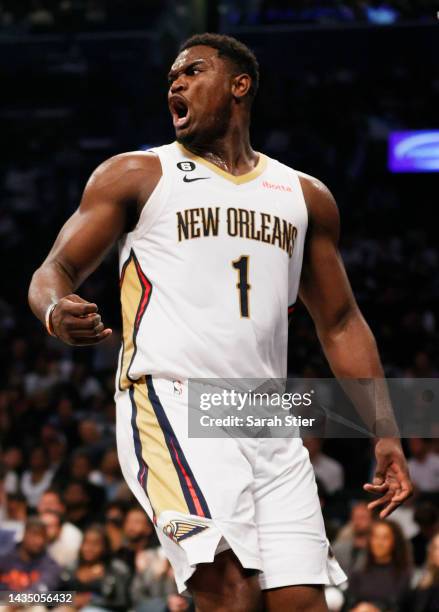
<point x="190" y="486"/>
<point x="146" y="285"/>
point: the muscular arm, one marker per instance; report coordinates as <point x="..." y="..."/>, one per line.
<point x="346" y="339"/>
<point x="112" y="201"/>
<point x="344" y="335"/>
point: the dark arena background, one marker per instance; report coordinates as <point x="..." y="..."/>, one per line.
<point x="345" y="87"/>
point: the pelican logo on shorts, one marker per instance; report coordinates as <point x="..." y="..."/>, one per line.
<point x="180" y="529"/>
<point x="178" y="387"/>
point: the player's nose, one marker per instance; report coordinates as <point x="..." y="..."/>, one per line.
<point x="180" y="84"/>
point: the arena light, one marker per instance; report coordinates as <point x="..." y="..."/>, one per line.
<point x="414" y="151"/>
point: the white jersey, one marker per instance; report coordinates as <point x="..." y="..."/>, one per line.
<point x="210" y="271"/>
<point x="207" y="277"/>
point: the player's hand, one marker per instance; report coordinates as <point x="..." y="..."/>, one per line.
<point x="77" y="322"/>
<point x="392" y="481"/>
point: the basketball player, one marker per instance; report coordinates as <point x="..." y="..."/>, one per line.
<point x="211" y="240"/>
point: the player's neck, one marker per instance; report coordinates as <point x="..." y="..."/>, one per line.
<point x="231" y="152"/>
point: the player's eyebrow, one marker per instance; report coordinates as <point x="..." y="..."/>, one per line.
<point x="173" y="73"/>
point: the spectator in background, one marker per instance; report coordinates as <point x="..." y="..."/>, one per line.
<point x="81" y="470"/>
<point x="28" y="567"/>
<point x="80" y="466"/>
<point x="62" y="551"/>
<point x="65" y="420"/>
<point x="385" y="579"/>
<point x="65" y="548"/>
<point x="423" y="465"/>
<point x="43" y="376"/>
<point x="90" y="438"/>
<point x="351" y="545"/>
<point x="99" y="581"/>
<point x="87" y="384"/>
<point x="425" y="598"/>
<point x="58" y="457"/>
<point x="139" y="535"/>
<point x="77" y="500"/>
<point x="326" y="469"/>
<point x="37" y="478"/>
<point x="427" y="517"/>
<point x="12" y="460"/>
<point x="114" y="519"/>
<point x="14" y="517"/>
<point x="109" y="475"/>
<point x="153" y="588"/>
<point x="16" y="507"/>
<point x="7" y="533"/>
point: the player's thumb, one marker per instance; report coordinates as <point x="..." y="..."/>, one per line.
<point x="380" y="471"/>
<point x="378" y="479"/>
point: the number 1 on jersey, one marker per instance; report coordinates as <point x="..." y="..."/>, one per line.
<point x="242" y="285"/>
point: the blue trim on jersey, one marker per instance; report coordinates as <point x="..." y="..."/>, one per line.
<point x="142" y="474"/>
<point x="175" y="448"/>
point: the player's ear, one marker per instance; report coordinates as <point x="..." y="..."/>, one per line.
<point x="241" y="85"/>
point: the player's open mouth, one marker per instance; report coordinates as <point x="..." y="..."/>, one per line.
<point x="180" y="112"/>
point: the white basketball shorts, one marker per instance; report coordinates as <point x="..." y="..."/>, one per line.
<point x="255" y="496"/>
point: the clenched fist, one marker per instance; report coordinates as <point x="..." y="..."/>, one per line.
<point x="77" y="322"/>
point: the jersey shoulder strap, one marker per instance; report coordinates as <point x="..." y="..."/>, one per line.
<point x="162" y="191"/>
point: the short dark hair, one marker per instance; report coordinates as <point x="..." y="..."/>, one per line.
<point x="231" y="48"/>
<point x="34" y="522"/>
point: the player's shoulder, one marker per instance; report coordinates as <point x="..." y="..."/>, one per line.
<point x="130" y="162"/>
<point x="314" y="189"/>
<point x="126" y="174"/>
<point x="321" y="204"/>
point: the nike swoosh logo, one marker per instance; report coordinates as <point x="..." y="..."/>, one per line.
<point x="191" y="180"/>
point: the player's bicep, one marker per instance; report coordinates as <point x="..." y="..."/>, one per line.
<point x="325" y="289"/>
<point x="109" y="205"/>
<point x="86" y="238"/>
<point x="99" y="221"/>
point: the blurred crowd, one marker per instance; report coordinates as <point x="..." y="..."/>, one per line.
<point x="67" y="520"/>
<point x="326" y="12"/>
<point x="49" y="16"/>
<point x="69" y="523"/>
<point x="75" y="15"/>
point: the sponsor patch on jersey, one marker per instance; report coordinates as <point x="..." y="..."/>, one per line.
<point x="181" y="529"/>
<point x="276" y="186"/>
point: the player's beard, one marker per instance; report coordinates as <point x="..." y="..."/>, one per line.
<point x="212" y="129"/>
